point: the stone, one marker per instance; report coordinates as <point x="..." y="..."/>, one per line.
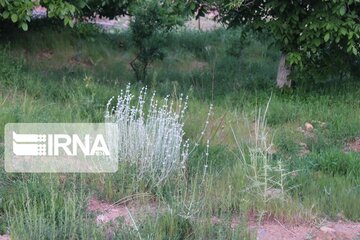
<point x="309" y="127"/>
<point x="273" y="193"/>
<point x="327" y="230"/>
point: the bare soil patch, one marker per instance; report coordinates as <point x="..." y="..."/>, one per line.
<point x="107" y="213"/>
<point x="328" y="231"/>
<point x="267" y="230"/>
<point x="46" y="54"/>
<point x="353" y="146"/>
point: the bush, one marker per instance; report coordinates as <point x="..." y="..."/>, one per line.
<point x="87" y="30"/>
<point x="151" y="141"/>
<point x="149" y="27"/>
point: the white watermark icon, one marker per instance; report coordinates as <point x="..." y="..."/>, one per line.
<point x="61" y="147"/>
<point x="52" y="144"/>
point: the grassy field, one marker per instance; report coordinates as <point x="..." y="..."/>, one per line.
<point x="260" y="162"/>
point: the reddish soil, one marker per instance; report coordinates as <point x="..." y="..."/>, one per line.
<point x="353" y="146"/>
<point x="328" y="231"/>
<point x="269" y="230"/>
<point x="109" y="212"/>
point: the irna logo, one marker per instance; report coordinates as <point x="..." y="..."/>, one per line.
<point x="58" y="144"/>
<point x="61" y="147"/>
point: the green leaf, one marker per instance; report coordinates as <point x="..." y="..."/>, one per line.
<point x="51" y="7"/>
<point x="24" y="26"/>
<point x="355" y="51"/>
<point x="5" y="14"/>
<point x="71" y="23"/>
<point x="72" y="9"/>
<point x="327" y="37"/>
<point x="14" y="17"/>
<point x="342" y="10"/>
<point x="66" y="20"/>
<point x="286" y="41"/>
<point x="343" y="31"/>
<point x="317" y="42"/>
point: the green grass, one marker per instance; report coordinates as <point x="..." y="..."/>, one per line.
<point x="50" y="74"/>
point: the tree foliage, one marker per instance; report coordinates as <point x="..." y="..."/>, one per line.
<point x="151" y="22"/>
<point x="19" y="11"/>
<point x="106" y="8"/>
<point x="317" y="35"/>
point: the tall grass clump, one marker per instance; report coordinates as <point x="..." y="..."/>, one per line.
<point x="150" y="136"/>
<point x="267" y="179"/>
<point x="51" y="212"/>
<point x="10" y="71"/>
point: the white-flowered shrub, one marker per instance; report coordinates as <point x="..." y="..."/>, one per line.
<point x="151" y="135"/>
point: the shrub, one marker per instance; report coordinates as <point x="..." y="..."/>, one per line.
<point x="150" y="141"/>
<point x="149" y="27"/>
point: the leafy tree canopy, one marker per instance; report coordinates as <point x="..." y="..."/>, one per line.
<point x="313" y="33"/>
<point x="20" y="11"/>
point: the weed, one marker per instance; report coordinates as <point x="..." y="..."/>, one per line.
<point x="151" y="140"/>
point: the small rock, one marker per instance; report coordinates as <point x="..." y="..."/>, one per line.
<point x="300" y="129"/>
<point x="304" y="149"/>
<point x="309" y="127"/>
<point x="100" y="219"/>
<point x="340" y="216"/>
<point x="327" y="230"/>
<point x="215" y="220"/>
<point x="326" y="233"/>
<point x="62" y="178"/>
<point x="272" y="150"/>
<point x="273" y="193"/>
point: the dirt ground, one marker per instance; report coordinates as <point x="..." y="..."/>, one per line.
<point x="329" y="231"/>
<point x="270" y="230"/>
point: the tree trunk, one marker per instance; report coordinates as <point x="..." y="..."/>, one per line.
<point x="282" y="79"/>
